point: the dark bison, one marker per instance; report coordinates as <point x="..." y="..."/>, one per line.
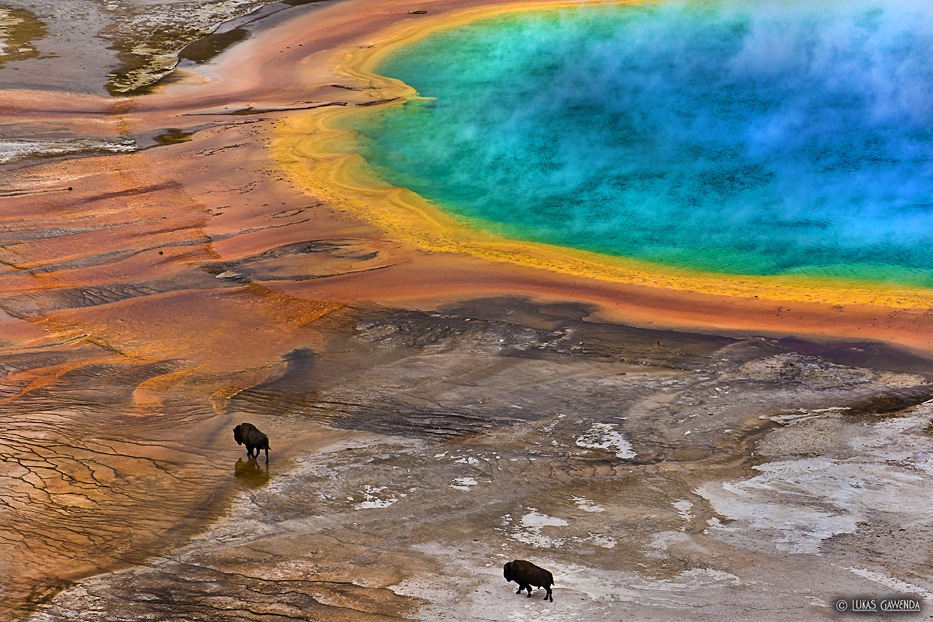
<point x="249" y="435"/>
<point x="527" y="574"/>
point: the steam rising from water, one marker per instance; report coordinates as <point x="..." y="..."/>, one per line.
<point x="753" y="138"/>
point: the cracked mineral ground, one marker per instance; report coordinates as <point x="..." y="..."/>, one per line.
<point x="657" y="474"/>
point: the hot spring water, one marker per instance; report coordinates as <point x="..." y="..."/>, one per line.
<point x="736" y="137"/>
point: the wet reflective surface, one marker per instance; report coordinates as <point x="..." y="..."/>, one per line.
<point x="250" y="473"/>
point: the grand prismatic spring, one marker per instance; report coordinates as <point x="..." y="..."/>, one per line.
<point x="745" y="138"/>
<point x="641" y="292"/>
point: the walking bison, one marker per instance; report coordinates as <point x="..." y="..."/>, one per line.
<point x="527" y="574"/>
<point x="249" y="435"/>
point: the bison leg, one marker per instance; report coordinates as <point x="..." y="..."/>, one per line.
<point x="548" y="595"/>
<point x="267" y="454"/>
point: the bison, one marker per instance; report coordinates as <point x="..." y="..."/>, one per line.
<point x="248" y="434"/>
<point x="527" y="574"/>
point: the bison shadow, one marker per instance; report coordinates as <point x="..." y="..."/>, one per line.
<point x="250" y="473"/>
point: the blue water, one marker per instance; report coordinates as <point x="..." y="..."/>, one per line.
<point x="735" y="137"/>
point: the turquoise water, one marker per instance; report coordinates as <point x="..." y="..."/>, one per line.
<point x="750" y="138"/>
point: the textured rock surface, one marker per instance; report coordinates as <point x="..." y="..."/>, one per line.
<point x="122" y="46"/>
<point x="417" y="452"/>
